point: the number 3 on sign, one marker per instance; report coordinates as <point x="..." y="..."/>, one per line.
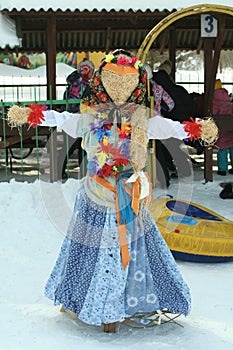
<point x="209" y="26"/>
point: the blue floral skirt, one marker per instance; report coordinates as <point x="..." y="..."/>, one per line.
<point x="89" y="279"/>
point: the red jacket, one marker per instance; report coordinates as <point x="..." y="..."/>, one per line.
<point x="222" y="105"/>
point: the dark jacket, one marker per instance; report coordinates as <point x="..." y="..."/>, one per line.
<point x="75" y="90"/>
<point x="184" y="106"/>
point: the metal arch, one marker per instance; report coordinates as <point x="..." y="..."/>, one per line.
<point x="167" y="21"/>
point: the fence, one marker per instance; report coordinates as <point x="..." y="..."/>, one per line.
<point x="193" y="81"/>
<point x="40" y="144"/>
<point x="22" y="151"/>
<point x="30" y="154"/>
<point x="32" y="88"/>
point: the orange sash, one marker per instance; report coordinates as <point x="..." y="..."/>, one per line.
<point x="122" y="229"/>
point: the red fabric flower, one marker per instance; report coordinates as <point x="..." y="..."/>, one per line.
<point x="108" y="126"/>
<point x="122" y="135"/>
<point x="93" y="99"/>
<point x="96" y="81"/>
<point x="36" y="116"/>
<point x="102" y="96"/>
<point x="123" y="61"/>
<point x="120" y="161"/>
<point x="108" y="149"/>
<point x="137" y="92"/>
<point x="144" y="77"/>
<point x="134" y="60"/>
<point x="106" y="171"/>
<point x="193" y="129"/>
<point x="124" y="131"/>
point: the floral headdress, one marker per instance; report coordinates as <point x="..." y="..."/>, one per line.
<point x="123" y="60"/>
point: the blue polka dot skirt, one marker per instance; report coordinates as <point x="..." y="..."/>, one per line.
<point x="89" y="279"/>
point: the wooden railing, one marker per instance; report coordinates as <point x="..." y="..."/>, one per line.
<point x="24" y="138"/>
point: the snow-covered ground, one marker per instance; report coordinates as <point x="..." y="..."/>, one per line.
<point x="19" y="77"/>
<point x="34" y="217"/>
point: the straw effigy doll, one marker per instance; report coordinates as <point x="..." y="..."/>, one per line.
<point x="114" y="263"/>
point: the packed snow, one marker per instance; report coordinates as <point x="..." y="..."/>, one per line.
<point x="107" y="5"/>
<point x="34" y="221"/>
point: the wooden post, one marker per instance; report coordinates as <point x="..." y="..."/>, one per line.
<point x="208" y="47"/>
<point x="51" y="88"/>
<point x="172" y="51"/>
<point x="110" y="328"/>
<point x="51" y="57"/>
<point x="210" y="68"/>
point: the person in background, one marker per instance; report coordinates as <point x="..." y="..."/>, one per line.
<point x="6" y="57"/>
<point x="77" y="84"/>
<point x="184" y="108"/>
<point x="167" y="67"/>
<point x="222" y="105"/>
<point x="161" y="98"/>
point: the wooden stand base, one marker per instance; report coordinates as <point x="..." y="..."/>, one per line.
<point x="110" y="328"/>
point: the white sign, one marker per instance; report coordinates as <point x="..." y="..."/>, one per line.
<point x="209" y="26"/>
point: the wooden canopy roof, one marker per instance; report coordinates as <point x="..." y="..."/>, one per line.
<point x="104" y="31"/>
<point x="57" y="30"/>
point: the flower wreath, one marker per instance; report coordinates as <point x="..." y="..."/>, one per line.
<point x="109" y="159"/>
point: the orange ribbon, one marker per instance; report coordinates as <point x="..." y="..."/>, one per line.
<point x="119" y="69"/>
<point x="135" y="196"/>
<point x="122" y="229"/>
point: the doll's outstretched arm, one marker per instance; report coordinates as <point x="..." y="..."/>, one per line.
<point x="68" y="122"/>
<point x="204" y="129"/>
<point x="162" y="128"/>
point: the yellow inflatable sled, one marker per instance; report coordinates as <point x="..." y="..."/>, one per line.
<point x="193" y="232"/>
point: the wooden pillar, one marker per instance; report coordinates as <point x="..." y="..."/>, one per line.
<point x="51" y="89"/>
<point x="172" y="50"/>
<point x="108" y="39"/>
<point x="211" y="61"/>
<point x="208" y="56"/>
<point x="51" y="57"/>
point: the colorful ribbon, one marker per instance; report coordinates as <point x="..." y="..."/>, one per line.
<point x="126" y="208"/>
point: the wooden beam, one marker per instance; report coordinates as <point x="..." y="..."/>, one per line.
<point x="210" y="66"/>
<point x="163" y="42"/>
<point x="51" y="88"/>
<point x="51" y="58"/>
<point x="108" y="39"/>
<point x="215" y="61"/>
<point x="208" y="57"/>
<point x="208" y="61"/>
<point x="172" y="50"/>
<point x="199" y="45"/>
